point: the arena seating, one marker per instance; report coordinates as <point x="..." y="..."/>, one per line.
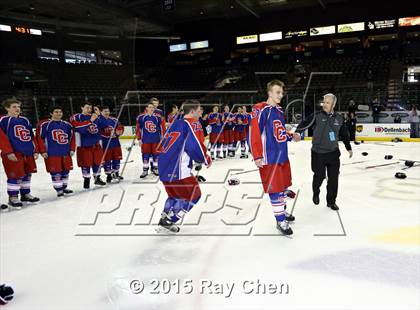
<point x="357" y="70"/>
<point x="81" y="80"/>
<point x="108" y="83"/>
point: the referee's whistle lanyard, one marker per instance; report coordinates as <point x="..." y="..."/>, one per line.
<point x="330" y="116"/>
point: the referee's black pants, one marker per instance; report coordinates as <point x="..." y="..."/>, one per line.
<point x="326" y="164"/>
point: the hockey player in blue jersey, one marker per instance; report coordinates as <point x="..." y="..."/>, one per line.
<point x="175" y="113"/>
<point x="56" y="143"/>
<point x="215" y="120"/>
<point x="248" y="117"/>
<point x="110" y="130"/>
<point x="149" y="131"/>
<point x="182" y="146"/>
<point x="7" y="151"/>
<point x="156" y="110"/>
<point x="268" y="140"/>
<point x="228" y="118"/>
<point x="88" y="141"/>
<point x="241" y="122"/>
<point x="20" y="164"/>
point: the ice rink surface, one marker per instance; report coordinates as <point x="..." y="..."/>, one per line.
<point x="84" y="251"/>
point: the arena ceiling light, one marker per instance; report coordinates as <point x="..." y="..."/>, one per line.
<point x="343" y="28"/>
<point x="317" y="31"/>
<point x="409" y="21"/>
<point x="295" y="34"/>
<point x="199" y="44"/>
<point x="36" y="32"/>
<point x="380" y="24"/>
<point x="178" y="47"/>
<point x="271" y="36"/>
<point x="247" y="39"/>
<point x="5" y="28"/>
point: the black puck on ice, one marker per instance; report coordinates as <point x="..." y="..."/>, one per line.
<point x="388" y="157"/>
<point x="400" y="175"/>
<point x="3" y="207"/>
<point x="233" y="182"/>
<point x="363" y="141"/>
<point x="365" y="153"/>
<point x="356" y="142"/>
<point x="6" y="294"/>
<point x="409" y="163"/>
<point x="201" y="179"/>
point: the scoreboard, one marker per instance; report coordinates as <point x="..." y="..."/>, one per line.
<point x="21" y="30"/>
<point x="27" y="30"/>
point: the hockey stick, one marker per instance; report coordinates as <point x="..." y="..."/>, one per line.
<point x="384" y="144"/>
<point x="294" y="202"/>
<point x="356" y="162"/>
<point x="130" y="149"/>
<point x="383" y="165"/>
<point x="246" y="171"/>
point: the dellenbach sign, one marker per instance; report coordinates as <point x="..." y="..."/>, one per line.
<point x="383" y="130"/>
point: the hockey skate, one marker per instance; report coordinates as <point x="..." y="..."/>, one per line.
<point x="155" y="171"/>
<point x="98" y="181"/>
<point x="284" y="228"/>
<point x="116" y="176"/>
<point x="60" y="194"/>
<point x="14" y="203"/>
<point x="165" y="225"/>
<point x="108" y="178"/>
<point x="86" y="183"/>
<point x="28" y="198"/>
<point x="67" y="191"/>
<point x="144" y="174"/>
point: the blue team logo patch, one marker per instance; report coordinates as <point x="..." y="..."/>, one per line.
<point x="59" y="136"/>
<point x="150" y="126"/>
<point x="22" y="133"/>
<point x="279" y="131"/>
<point x="93" y="129"/>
